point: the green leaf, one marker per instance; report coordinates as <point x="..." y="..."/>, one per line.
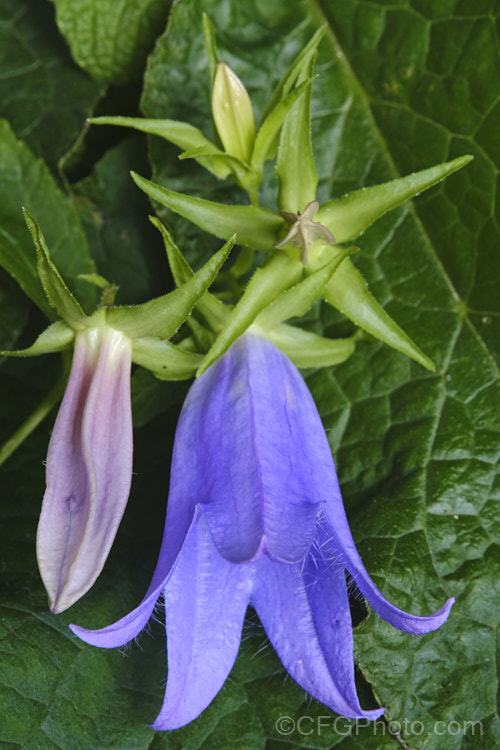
<point x="43" y="94"/>
<point x="163" y="316"/>
<point x="252" y="226"/>
<point x="26" y="181"/>
<point x="126" y="249"/>
<point x="13" y="311"/>
<point x="111" y="38"/>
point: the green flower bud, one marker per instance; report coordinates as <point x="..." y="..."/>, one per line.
<point x="232" y="113"/>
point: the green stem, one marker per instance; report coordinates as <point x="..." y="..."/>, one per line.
<point x="34" y="419"/>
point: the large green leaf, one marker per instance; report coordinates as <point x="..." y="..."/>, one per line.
<point x="127" y="249"/>
<point x="26" y="182"/>
<point x="43" y="93"/>
<point x="400" y="88"/>
<point x="111" y="38"/>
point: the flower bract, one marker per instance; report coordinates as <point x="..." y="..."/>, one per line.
<point x="255" y="516"/>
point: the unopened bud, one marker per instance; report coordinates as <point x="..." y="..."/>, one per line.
<point x="233" y="114"/>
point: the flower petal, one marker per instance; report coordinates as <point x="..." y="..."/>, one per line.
<point x="206" y="598"/>
<point x="261" y="461"/>
<point x="347" y="555"/>
<point x="89" y="467"/>
<point x="312" y="636"/>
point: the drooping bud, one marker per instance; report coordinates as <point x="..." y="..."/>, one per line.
<point x="89" y="467"/>
<point x="233" y="114"/>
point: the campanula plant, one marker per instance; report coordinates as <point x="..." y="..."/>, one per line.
<point x="89" y="461"/>
<point x="258" y="519"/>
<point x="284" y="132"/>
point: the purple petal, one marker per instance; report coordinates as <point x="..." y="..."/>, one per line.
<point x="307" y="619"/>
<point x="127" y="628"/>
<point x="89" y="467"/>
<point x="325" y="584"/>
<point x="254" y="438"/>
<point x="206" y="598"/>
<point x="347" y="554"/>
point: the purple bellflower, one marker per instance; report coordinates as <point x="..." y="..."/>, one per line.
<point x="89" y="467"/>
<point x="255" y="516"/>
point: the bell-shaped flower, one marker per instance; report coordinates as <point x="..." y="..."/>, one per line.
<point x="89" y="462"/>
<point x="255" y="516"/>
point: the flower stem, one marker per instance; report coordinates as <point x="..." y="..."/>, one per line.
<point x="38" y="415"/>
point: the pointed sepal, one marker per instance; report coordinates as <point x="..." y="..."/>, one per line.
<point x="165" y="360"/>
<point x="58" y="294"/>
<point x="210" y="44"/>
<point x="298" y="66"/>
<point x="181" y="134"/>
<point x="279" y="273"/>
<point x="215" y="312"/>
<point x="295" y="167"/>
<point x="349" y="293"/>
<point x="253" y="226"/>
<point x="349" y="216"/>
<point x="55" y="338"/>
<point x="164" y="315"/>
<point x="241" y="171"/>
<point x="298" y="300"/>
<point x="268" y="131"/>
<point x="307" y="349"/>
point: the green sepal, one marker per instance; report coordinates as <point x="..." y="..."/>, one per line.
<point x="253" y="226"/>
<point x="163" y="359"/>
<point x="58" y="294"/>
<point x="307" y="349"/>
<point x="164" y="315"/>
<point x="242" y="172"/>
<point x="295" y="169"/>
<point x="300" y="63"/>
<point x="108" y="290"/>
<point x="266" y="135"/>
<point x="210" y="44"/>
<point x="279" y="273"/>
<point x="348" y="292"/>
<point x="349" y="216"/>
<point x="215" y="312"/>
<point x="298" y="300"/>
<point x="55" y="338"/>
<point x="181" y="134"/>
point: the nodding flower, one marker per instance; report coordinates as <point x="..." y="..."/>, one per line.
<point x="89" y="467"/>
<point x="255" y="516"/>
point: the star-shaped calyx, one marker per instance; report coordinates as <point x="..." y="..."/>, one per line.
<point x="304" y="231"/>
